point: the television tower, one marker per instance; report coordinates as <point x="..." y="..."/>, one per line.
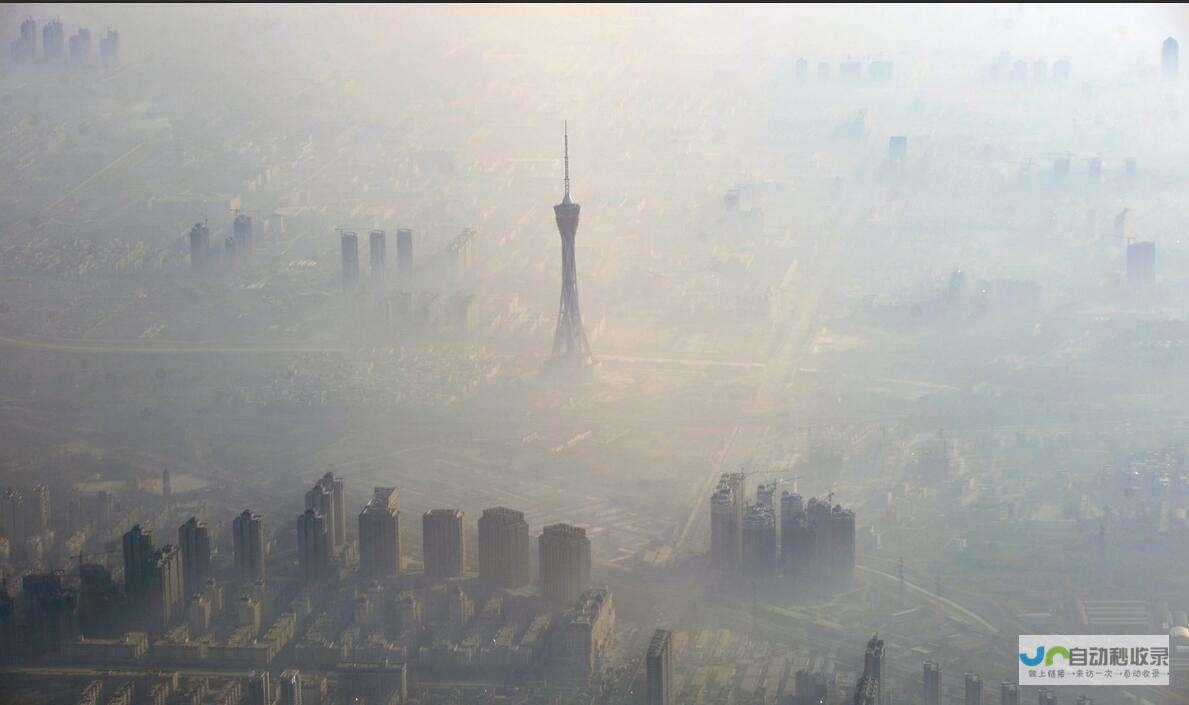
<point x="569" y="341"/>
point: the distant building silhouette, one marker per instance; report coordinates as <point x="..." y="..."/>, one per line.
<point x="24" y="48"/>
<point x="931" y="684"/>
<point x="973" y="689"/>
<point x="80" y="47"/>
<point x="1141" y="263"/>
<point x="404" y="257"/>
<point x="109" y="48"/>
<point x="200" y="245"/>
<point x="53" y="42"/>
<point x="1009" y="693"/>
<point x="349" y="244"/>
<point x="241" y="230"/>
<point x="377" y="254"/>
<point x="1170" y="58"/>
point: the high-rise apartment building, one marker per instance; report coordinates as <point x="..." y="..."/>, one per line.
<point x="443" y="545"/>
<point x="504" y="548"/>
<point x="248" y="542"/>
<point x="564" y="564"/>
<point x="194" y="543"/>
<point x="313" y="545"/>
<point x="379" y="534"/>
<point x="659" y="669"/>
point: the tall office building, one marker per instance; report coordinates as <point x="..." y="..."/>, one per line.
<point x="166" y="483"/>
<point x="290" y="687"/>
<point x="1170" y="58"/>
<point x="248" y="541"/>
<point x="349" y="244"/>
<point x="377" y="246"/>
<point x="931" y="683"/>
<point x="897" y="149"/>
<point x="404" y="257"/>
<point x="504" y="548"/>
<point x="200" y="245"/>
<point x="138" y="553"/>
<point x="1009" y="693"/>
<point x="313" y="546"/>
<point x="973" y="689"/>
<point x="328" y="496"/>
<point x="564" y="564"/>
<point x="379" y="534"/>
<point x="194" y="542"/>
<point x="659" y="666"/>
<point x="443" y="544"/>
<point x="727" y="506"/>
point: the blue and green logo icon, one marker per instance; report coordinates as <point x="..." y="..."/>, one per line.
<point x="1044" y="654"/>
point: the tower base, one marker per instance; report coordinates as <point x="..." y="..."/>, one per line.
<point x="569" y="369"/>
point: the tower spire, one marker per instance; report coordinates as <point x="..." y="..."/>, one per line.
<point x="566" y="136"/>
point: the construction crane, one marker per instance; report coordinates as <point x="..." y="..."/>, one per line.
<point x="785" y="479"/>
<point x="90" y="554"/>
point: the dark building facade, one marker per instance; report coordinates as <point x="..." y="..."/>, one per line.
<point x="659" y="669"/>
<point x="504" y="548"/>
<point x="247" y="531"/>
<point x="379" y="534"/>
<point x="443" y="544"/>
<point x="564" y="564"/>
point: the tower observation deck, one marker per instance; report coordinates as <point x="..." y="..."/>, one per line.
<point x="569" y="340"/>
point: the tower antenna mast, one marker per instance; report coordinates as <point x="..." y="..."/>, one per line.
<point x="566" y="136"/>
